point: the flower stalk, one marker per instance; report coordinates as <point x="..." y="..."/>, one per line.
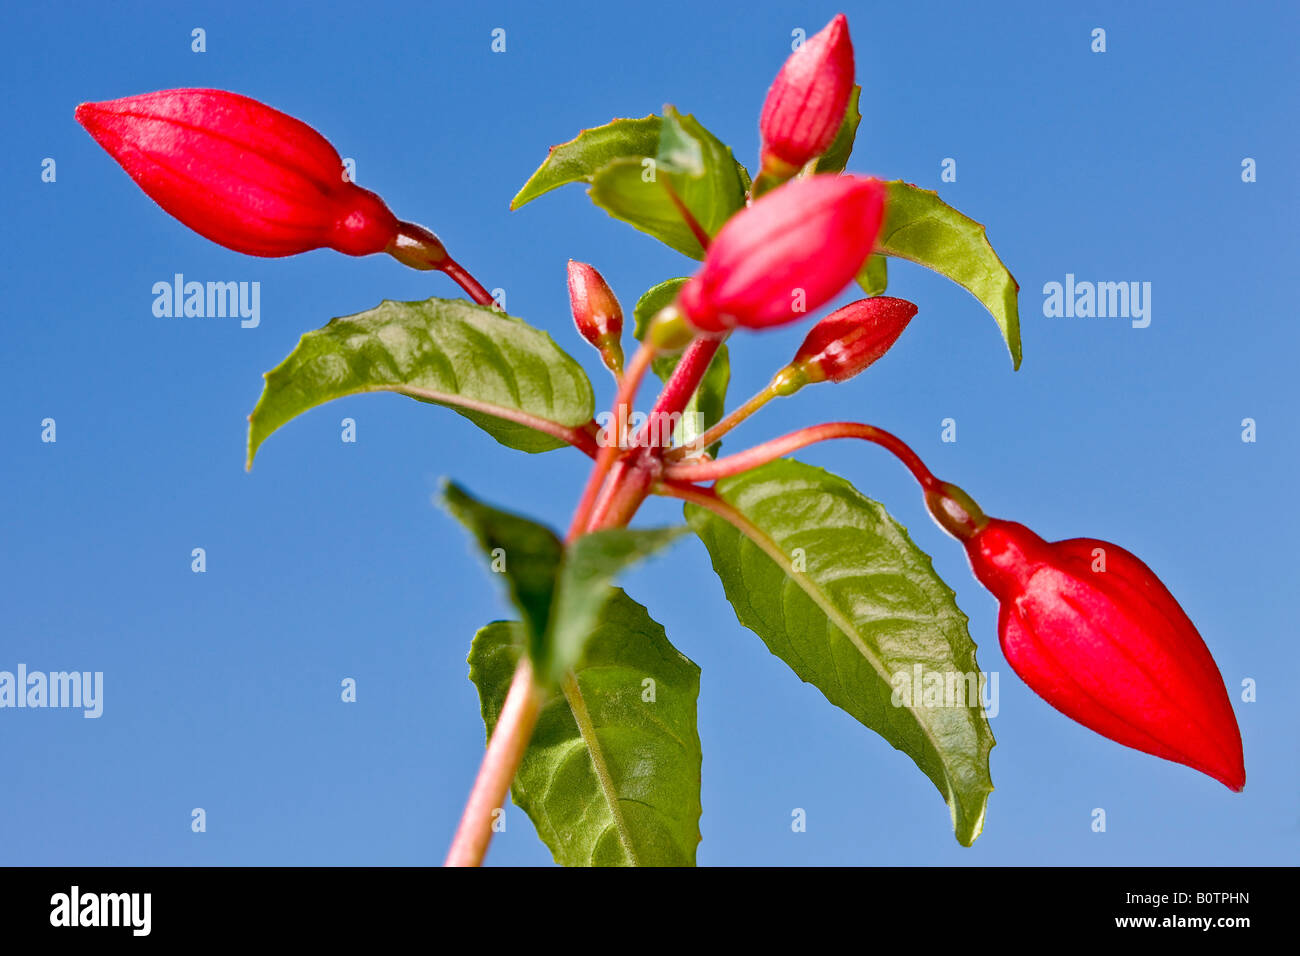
<point x="505" y="750"/>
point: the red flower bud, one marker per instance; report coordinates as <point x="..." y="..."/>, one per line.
<point x="1094" y="632"/>
<point x="849" y="339"/>
<point x="789" y="253"/>
<point x="596" y="312"/>
<point x="237" y="172"/>
<point x="806" y="104"/>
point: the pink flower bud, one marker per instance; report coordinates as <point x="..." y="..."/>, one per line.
<point x="596" y="312"/>
<point x="1094" y="632"/>
<point x="806" y="104"/>
<point x="789" y="253"/>
<point x="849" y="339"/>
<point x="240" y="173"/>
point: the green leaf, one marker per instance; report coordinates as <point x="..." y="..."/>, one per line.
<point x="836" y="589"/>
<point x="633" y="164"/>
<point x="507" y="377"/>
<point x="621" y="785"/>
<point x="874" y="277"/>
<point x="590" y="565"/>
<point x="578" y="159"/>
<point x="526" y="554"/>
<point x="921" y="227"/>
<point x="693" y="166"/>
<point x="707" y="406"/>
<point x="651" y="301"/>
<point x="621" y="189"/>
<point x="560" y="590"/>
<point x="679" y="151"/>
<point x="837" y="154"/>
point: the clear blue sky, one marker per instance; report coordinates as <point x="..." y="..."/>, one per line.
<point x="330" y="560"/>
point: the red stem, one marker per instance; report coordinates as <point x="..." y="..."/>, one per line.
<point x="462" y="278"/>
<point x="610" y="499"/>
<point x="681" y="385"/>
<point x="614" y="491"/>
<point x="626" y="486"/>
<point x="605" y="458"/>
<point x="780" y="447"/>
<point x="505" y="750"/>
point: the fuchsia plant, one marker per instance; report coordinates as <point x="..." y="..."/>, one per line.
<point x="590" y="711"/>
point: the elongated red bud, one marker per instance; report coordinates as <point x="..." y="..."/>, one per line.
<point x="806" y="103"/>
<point x="787" y="254"/>
<point x="249" y="177"/>
<point x="596" y="313"/>
<point x="852" y="338"/>
<point x="1095" y="633"/>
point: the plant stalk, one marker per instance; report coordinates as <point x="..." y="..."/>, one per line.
<point x="615" y="490"/>
<point x="460" y="275"/>
<point x="505" y="750"/>
<point x="611" y="447"/>
<point x="679" y="388"/>
<point x="734" y="418"/>
<point x="780" y="447"/>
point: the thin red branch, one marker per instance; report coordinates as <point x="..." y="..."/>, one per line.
<point x="462" y="278"/>
<point x="609" y="451"/>
<point x="679" y="388"/>
<point x="780" y="447"/>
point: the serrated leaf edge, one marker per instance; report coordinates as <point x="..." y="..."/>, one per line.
<point x="769" y="547"/>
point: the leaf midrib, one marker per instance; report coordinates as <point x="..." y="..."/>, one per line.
<point x="814" y="591"/>
<point x="587" y="730"/>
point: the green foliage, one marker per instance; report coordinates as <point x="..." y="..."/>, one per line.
<point x="640" y="169"/>
<point x="837" y="154"/>
<point x="611" y="776"/>
<point x="559" y="589"/>
<point x="499" y="372"/>
<point x="836" y="589"/>
<point x="921" y="227"/>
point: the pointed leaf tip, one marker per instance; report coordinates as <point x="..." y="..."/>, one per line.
<point x="921" y="227"/>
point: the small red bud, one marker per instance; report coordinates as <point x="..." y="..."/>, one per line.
<point x="240" y="173"/>
<point x="849" y="339"/>
<point x="596" y="312"/>
<point x="787" y="254"/>
<point x="1094" y="632"/>
<point x="806" y="103"/>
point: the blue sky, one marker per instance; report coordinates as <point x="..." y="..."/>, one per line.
<point x="330" y="560"/>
